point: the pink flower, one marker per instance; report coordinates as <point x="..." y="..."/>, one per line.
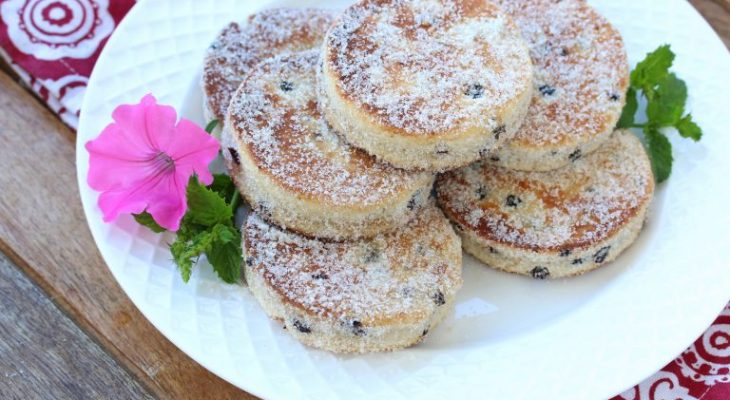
<point x="143" y="161"/>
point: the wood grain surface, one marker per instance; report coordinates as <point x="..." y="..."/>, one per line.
<point x="43" y="231"/>
<point x="41" y="348"/>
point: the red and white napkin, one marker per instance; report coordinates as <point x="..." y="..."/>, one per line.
<point x="53" y="45"/>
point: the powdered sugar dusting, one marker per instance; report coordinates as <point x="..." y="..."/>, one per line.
<point x="400" y="275"/>
<point x="429" y="67"/>
<point x="238" y="48"/>
<point x="277" y="120"/>
<point x="581" y="71"/>
<point x="578" y="205"/>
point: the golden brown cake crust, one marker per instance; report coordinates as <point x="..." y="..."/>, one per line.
<point x="238" y="48"/>
<point x="581" y="75"/>
<point x="278" y="124"/>
<point x="570" y="208"/>
<point x="428" y="68"/>
<point x="394" y="279"/>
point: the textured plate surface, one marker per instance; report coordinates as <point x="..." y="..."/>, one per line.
<point x="510" y="337"/>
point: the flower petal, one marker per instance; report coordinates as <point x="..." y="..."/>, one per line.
<point x="162" y="195"/>
<point x="114" y="161"/>
<point x="147" y="125"/>
<point x="193" y="150"/>
<point x="167" y="213"/>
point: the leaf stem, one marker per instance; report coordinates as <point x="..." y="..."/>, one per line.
<point x="235" y="200"/>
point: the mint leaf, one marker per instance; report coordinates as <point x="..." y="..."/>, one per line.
<point x="145" y="219"/>
<point x="666" y="97"/>
<point x="660" y="152"/>
<point x="689" y="129"/>
<point x="666" y="107"/>
<point x="185" y="253"/>
<point x="632" y="105"/>
<point x="653" y="69"/>
<point x="223" y="185"/>
<point x="211" y="125"/>
<point x="225" y="254"/>
<point x="208" y="228"/>
<point x="206" y="207"/>
<point x="184" y="264"/>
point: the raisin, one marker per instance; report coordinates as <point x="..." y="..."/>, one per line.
<point x="301" y="327"/>
<point x="601" y="255"/>
<point x="438" y="298"/>
<point x="482" y="193"/>
<point x="234" y="155"/>
<point x="372" y="255"/>
<point x="265" y="211"/>
<point x="546" y="90"/>
<point x="424" y="333"/>
<point x="286" y="86"/>
<point x="577" y="261"/>
<point x="564" y="52"/>
<point x="615" y="97"/>
<point x="320" y="275"/>
<point x="249" y="261"/>
<point x="413" y="202"/>
<point x="574" y="156"/>
<point x="565" y="252"/>
<point x="540" y="273"/>
<point x="513" y="201"/>
<point x="475" y="91"/>
<point x="357" y="328"/>
<point x="498" y="131"/>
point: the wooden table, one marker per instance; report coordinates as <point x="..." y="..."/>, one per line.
<point x="66" y="328"/>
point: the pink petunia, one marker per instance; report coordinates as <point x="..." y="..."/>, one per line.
<point x="144" y="159"/>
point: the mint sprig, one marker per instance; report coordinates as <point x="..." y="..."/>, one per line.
<point x="208" y="228"/>
<point x="666" y="97"/>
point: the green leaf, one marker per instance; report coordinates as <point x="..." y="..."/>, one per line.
<point x="632" y="104"/>
<point x="206" y="207"/>
<point x="667" y="105"/>
<point x="185" y="253"/>
<point x="211" y="125"/>
<point x="689" y="129"/>
<point x="184" y="265"/>
<point x="223" y="185"/>
<point x="660" y="152"/>
<point x="653" y="69"/>
<point x="225" y="254"/>
<point x="226" y="233"/>
<point x="145" y="219"/>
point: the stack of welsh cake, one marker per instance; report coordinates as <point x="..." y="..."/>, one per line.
<point x="371" y="144"/>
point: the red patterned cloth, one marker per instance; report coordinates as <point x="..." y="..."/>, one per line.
<point x="53" y="45"/>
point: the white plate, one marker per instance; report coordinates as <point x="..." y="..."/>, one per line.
<point x="510" y="337"/>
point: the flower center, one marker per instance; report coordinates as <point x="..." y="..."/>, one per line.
<point x="163" y="163"/>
